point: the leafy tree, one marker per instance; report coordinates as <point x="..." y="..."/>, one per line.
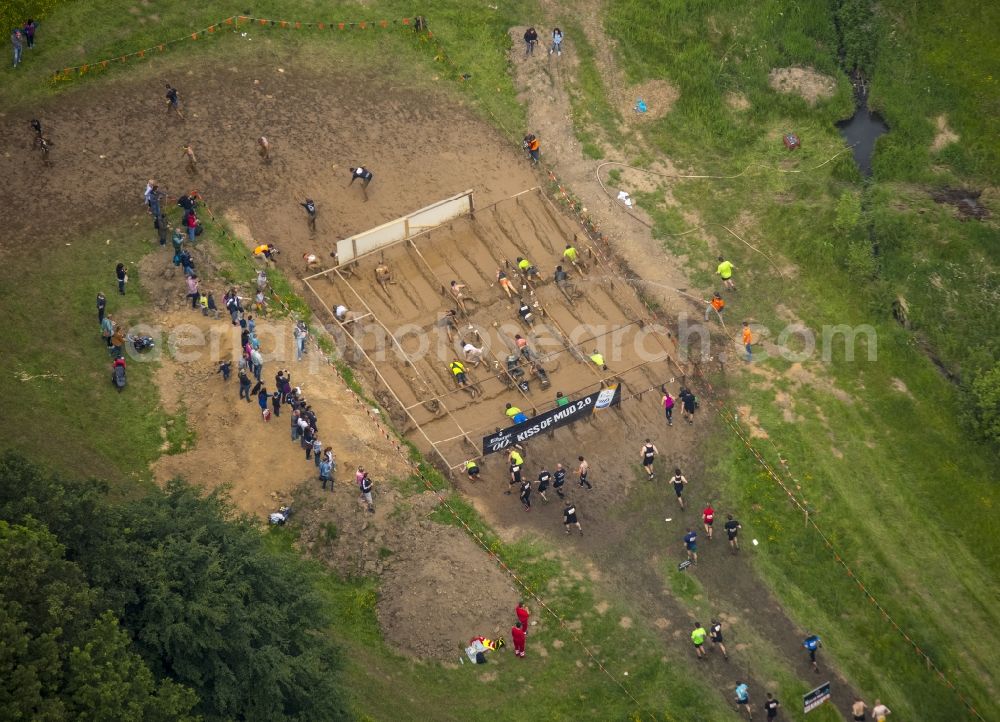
<point x="206" y="604"/>
<point x="60" y="659"/>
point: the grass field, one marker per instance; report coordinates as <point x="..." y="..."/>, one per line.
<point x="878" y="447"/>
<point x="894" y="479"/>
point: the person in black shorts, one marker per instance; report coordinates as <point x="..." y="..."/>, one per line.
<point x="771" y="705"/>
<point x="582" y="471"/>
<point x="715" y="634"/>
<point x="544" y="478"/>
<point x="525" y="495"/>
<point x="558" y="480"/>
<point x="688" y="405"/>
<point x="515" y="475"/>
<point x="310" y="207"/>
<point x="732" y="531"/>
<point x="649" y="452"/>
<point x="365" y="176"/>
<point x="472" y="469"/>
<point x="173" y="100"/>
<point x="679" y="482"/>
<point x="569" y="518"/>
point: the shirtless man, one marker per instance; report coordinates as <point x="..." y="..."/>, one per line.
<point x="264" y="148"/>
<point x="383" y="275"/>
<point x="192" y="159"/>
<point x="460" y="298"/>
<point x="449" y="322"/>
<point x="311" y="260"/>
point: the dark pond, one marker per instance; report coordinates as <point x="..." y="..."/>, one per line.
<point x="861" y="131"/>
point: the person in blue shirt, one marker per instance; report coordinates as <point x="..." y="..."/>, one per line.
<point x="743" y="698"/>
<point x="812" y="643"/>
<point x="691" y="543"/>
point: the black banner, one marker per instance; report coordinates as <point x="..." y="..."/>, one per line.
<point x="814" y="699"/>
<point x="559" y="416"/>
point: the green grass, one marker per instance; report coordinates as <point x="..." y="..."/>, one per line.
<point x="69" y="416"/>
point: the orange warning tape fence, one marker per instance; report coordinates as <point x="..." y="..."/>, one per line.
<point x="234" y="22"/>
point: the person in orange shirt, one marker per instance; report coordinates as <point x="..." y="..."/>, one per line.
<point x="532" y="145"/>
<point x="748" y="340"/>
<point x="716" y="303"/>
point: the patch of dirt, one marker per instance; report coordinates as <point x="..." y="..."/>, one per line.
<point x="806" y="82"/>
<point x="945" y="136"/>
<point x="737" y="101"/>
<point x="625" y="622"/>
<point x="659" y="96"/>
<point x="901" y="387"/>
<point x="746" y="415"/>
<point x="965" y="200"/>
<point x="601" y="607"/>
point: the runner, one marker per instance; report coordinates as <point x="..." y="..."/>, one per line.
<point x="310" y="207"/>
<point x="569" y="517"/>
<point x="174" y="101"/>
<point x="858" y="710"/>
<point x="748" y="340"/>
<point x="648" y="453"/>
<point x="192" y="159"/>
<point x="366" y="177"/>
<point x="678" y="480"/>
<point x="525" y="495"/>
<point x="698" y="640"/>
<point x="544" y="477"/>
<point x="582" y="472"/>
<point x="691" y="544"/>
<point x="689" y="404"/>
<point x="743" y="698"/>
<point x="532" y="147"/>
<point x="812" y="643"/>
<point x="472" y="354"/>
<point x="725" y="272"/>
<point x="472" y="469"/>
<point x="383" y="275"/>
<point x="559" y="478"/>
<point x="707" y="518"/>
<point x="449" y="323"/>
<point x="505" y="283"/>
<point x="524" y="311"/>
<point x="457" y="369"/>
<point x="528" y="269"/>
<point x="668" y="407"/>
<point x="771" y="705"/>
<point x="515" y="470"/>
<point x="598" y="360"/>
<point x="732" y="531"/>
<point x="715" y="304"/>
<point x="715" y="634"/>
<point x="264" y="148"/>
<point x="880" y="711"/>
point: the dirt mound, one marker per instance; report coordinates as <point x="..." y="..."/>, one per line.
<point x="945" y="135"/>
<point x="964" y="199"/>
<point x="808" y="83"/>
<point x="659" y="96"/>
<point x="737" y="101"/>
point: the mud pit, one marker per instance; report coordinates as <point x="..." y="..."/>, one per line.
<point x="398" y="325"/>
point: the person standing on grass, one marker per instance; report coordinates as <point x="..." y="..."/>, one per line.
<point x="743" y="698"/>
<point x="569" y="518"/>
<point x="544" y="478"/>
<point x="715" y="634"/>
<point x="725" y="272"/>
<point x="557" y="38"/>
<point x="708" y="518"/>
<point x="582" y="470"/>
<point x="698" y="639"/>
<point x="366" y="493"/>
<point x="29" y="32"/>
<point x="525" y="494"/>
<point x="122" y="275"/>
<point x="811" y="644"/>
<point x="771" y="706"/>
<point x="191" y="221"/>
<point x="107" y="329"/>
<point x="679" y="482"/>
<point x="668" y="407"/>
<point x="102" y="303"/>
<point x="530" y="40"/>
<point x="518" y="635"/>
<point x="365" y="176"/>
<point x="244" y="378"/>
<point x="858" y="710"/>
<point x="523" y="614"/>
<point x="558" y="479"/>
<point x="691" y="545"/>
<point x="748" y="340"/>
<point x="733" y="531"/>
<point x="880" y="711"/>
<point x="17" y="43"/>
<point x="648" y="454"/>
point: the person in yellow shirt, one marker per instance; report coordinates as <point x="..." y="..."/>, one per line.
<point x="598" y="360"/>
<point x="457" y="369"/>
<point x="725" y="272"/>
<point x="512" y="411"/>
<point x="748" y="340"/>
<point x="716" y="304"/>
<point x="571" y="254"/>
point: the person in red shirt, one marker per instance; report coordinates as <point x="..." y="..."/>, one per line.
<point x="707" y="517"/>
<point x="518" y="635"/>
<point x="522" y="616"/>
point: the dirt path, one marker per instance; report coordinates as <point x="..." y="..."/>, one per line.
<point x="728" y="582"/>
